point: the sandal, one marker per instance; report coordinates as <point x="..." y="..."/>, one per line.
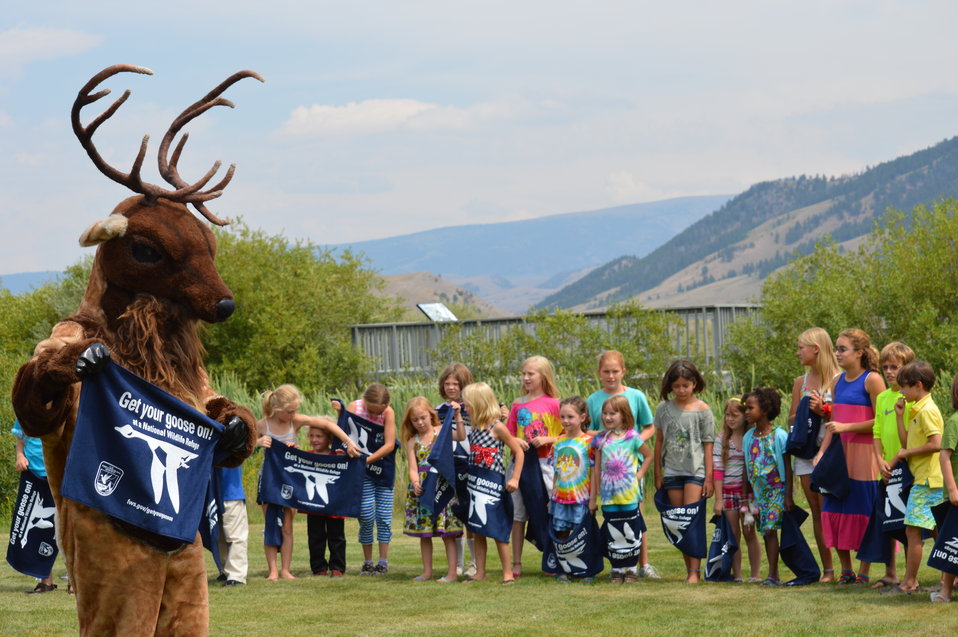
<point x="421" y="578"/>
<point x="472" y="580"/>
<point x="884" y="583"/>
<point x="938" y="598"/>
<point x="898" y="590"/>
<point x="847" y="577"/>
<point x="563" y="578"/>
<point x="42" y="588"/>
<point x="508" y="582"/>
<point x="772" y="581"/>
<point x="71" y="590"/>
<point x="861" y="579"/>
<point x="445" y="580"/>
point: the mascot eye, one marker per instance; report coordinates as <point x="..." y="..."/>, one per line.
<point x="145" y="253"/>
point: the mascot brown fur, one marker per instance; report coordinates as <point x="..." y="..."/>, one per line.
<point x="153" y="281"/>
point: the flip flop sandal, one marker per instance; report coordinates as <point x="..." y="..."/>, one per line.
<point x="898" y="590"/>
<point x="445" y="580"/>
<point x="420" y="578"/>
<point x="771" y="581"/>
<point x="884" y="583"/>
<point x="508" y="582"/>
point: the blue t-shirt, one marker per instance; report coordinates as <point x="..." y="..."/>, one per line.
<point x="32" y="449"/>
<point x="637" y="401"/>
<point x="231" y="483"/>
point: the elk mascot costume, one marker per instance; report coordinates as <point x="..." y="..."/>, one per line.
<point x="153" y="281"/>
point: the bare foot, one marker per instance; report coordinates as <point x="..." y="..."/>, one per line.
<point x="288" y="575"/>
<point x="828" y="575"/>
<point x="272" y="577"/>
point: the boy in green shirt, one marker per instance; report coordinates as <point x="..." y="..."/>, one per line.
<point x="949" y="473"/>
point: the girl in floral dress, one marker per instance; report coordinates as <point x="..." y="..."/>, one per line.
<point x="769" y="476"/>
<point x="420" y="426"/>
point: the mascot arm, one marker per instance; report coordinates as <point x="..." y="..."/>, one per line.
<point x="239" y="435"/>
<point x="46" y="387"/>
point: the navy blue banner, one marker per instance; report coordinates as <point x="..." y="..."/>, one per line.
<point x="490" y="505"/>
<point x="887" y="520"/>
<point x="794" y="551"/>
<point x="33" y="546"/>
<point x="579" y="554"/>
<point x="321" y="483"/>
<point x="536" y="499"/>
<point x="140" y="455"/>
<point x="368" y="436"/>
<point x="722" y="549"/>
<point x="212" y="519"/>
<point x="684" y="524"/>
<point x="830" y="475"/>
<point x="944" y="554"/>
<point x="622" y="533"/>
<point x="439" y="487"/>
<point x="273" y="525"/>
<point x="803" y="437"/>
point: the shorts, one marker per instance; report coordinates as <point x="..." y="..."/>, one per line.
<point x="732" y="498"/>
<point x="920" y="500"/>
<point x="519" y="513"/>
<point x="566" y="517"/>
<point x="679" y="482"/>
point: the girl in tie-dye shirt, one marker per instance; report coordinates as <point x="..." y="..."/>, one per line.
<point x="572" y="457"/>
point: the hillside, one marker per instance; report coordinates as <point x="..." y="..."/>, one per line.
<point x="727" y="254"/>
<point x="425" y="287"/>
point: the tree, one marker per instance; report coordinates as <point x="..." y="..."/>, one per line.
<point x="900" y="284"/>
<point x="294" y="303"/>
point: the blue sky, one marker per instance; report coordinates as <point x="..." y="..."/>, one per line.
<point x="383" y="118"/>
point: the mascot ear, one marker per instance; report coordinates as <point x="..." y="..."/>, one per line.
<point x="109" y="228"/>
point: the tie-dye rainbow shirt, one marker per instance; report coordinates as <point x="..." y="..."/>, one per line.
<point x="621" y="459"/>
<point x="572" y="459"/>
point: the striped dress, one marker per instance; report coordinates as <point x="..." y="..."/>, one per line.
<point x="844" y="521"/>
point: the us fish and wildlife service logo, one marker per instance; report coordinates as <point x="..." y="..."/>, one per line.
<point x="107" y="478"/>
<point x="45" y="549"/>
<point x="287" y="491"/>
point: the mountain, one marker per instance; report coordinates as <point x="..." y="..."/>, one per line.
<point x="724" y="256"/>
<point x="425" y="287"/>
<point x="26" y="281"/>
<point x="537" y="249"/>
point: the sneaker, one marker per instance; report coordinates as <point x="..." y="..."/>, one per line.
<point x="631" y="577"/>
<point x="470" y="570"/>
<point x="335" y="573"/>
<point x="649" y="571"/>
<point x="367" y="569"/>
<point x="617" y="577"/>
<point x="320" y="573"/>
<point x="233" y="582"/>
<point x="380" y="569"/>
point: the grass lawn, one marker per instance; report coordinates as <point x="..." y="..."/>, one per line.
<point x="394" y="605"/>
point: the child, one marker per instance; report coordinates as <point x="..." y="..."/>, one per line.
<point x="769" y="476"/>
<point x="377" y="505"/>
<point x="420" y="425"/>
<point x="816" y="353"/>
<point x="486" y="440"/>
<point x="728" y="475"/>
<point x="611" y="372"/>
<point x="886" y="442"/>
<point x="683" y="454"/>
<point x="533" y="420"/>
<point x="853" y="417"/>
<point x="452" y="379"/>
<point x="621" y="462"/>
<point x="572" y="458"/>
<point x="949" y="473"/>
<point x="281" y="422"/>
<point x="920" y="446"/>
<point x="325" y="529"/>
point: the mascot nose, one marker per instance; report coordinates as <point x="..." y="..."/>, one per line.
<point x="224" y="309"/>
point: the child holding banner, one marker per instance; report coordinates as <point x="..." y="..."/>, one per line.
<point x="490" y="509"/>
<point x="621" y="460"/>
<point x="452" y="379"/>
<point x="281" y="422"/>
<point x="420" y="426"/>
<point x="325" y="530"/>
<point x="949" y="472"/>
<point x="769" y="476"/>
<point x="728" y="460"/>
<point x="683" y="450"/>
<point x="920" y="446"/>
<point x="534" y="421"/>
<point x="377" y="496"/>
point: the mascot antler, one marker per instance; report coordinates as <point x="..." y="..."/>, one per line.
<point x="184" y="193"/>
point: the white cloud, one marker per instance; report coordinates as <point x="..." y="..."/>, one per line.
<point x="382" y="115"/>
<point x="20" y="46"/>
